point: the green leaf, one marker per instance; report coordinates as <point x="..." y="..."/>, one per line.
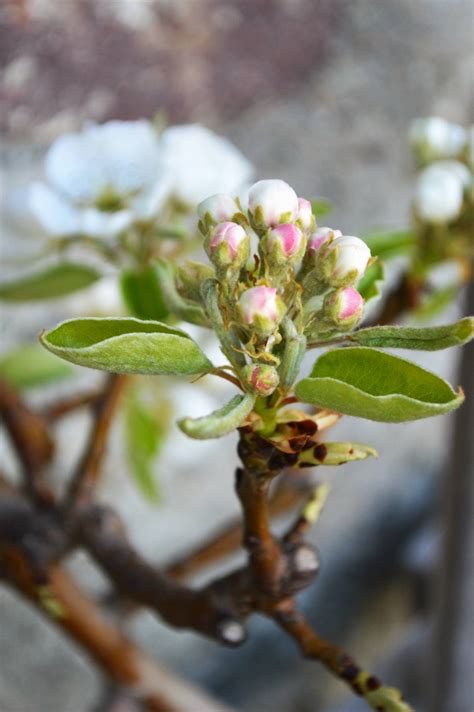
<point x="432" y="338"/>
<point x="369" y="286"/>
<point x="52" y="282"/>
<point x="142" y="294"/>
<point x="321" y="207"/>
<point x="127" y="345"/>
<point x="220" y="422"/>
<point x="389" y="244"/>
<point x="30" y="366"/>
<point x="145" y="435"/>
<point x="435" y="303"/>
<point x="179" y="306"/>
<point x="375" y="385"/>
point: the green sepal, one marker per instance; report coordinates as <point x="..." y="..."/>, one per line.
<point x="221" y="421"/>
<point x="335" y="453"/>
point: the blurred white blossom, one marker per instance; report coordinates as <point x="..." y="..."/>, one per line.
<point x="202" y="163"/>
<point x="434" y="138"/>
<point x="101" y="179"/>
<point x="439" y="193"/>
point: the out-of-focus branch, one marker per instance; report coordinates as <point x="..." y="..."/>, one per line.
<point x="57" y="410"/>
<point x="69" y="608"/>
<point x="29" y="434"/>
<point x="87" y="472"/>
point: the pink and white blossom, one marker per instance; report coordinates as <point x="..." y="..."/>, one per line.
<point x="261" y="308"/>
<point x="217" y="208"/>
<point x="305" y="214"/>
<point x="321" y="236"/>
<point x="287" y="238"/>
<point x="344" y="307"/>
<point x="230" y="233"/>
<point x="351" y="256"/>
<point x="272" y="202"/>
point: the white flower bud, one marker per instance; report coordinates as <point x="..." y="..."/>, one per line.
<point x="438" y="195"/>
<point x="321" y="236"/>
<point x="261" y="308"/>
<point x="347" y="257"/>
<point x="272" y="202"/>
<point x="305" y="219"/>
<point x="433" y="138"/>
<point x="218" y="208"/>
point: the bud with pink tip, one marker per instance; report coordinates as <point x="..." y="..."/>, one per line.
<point x="272" y="202"/>
<point x="285" y="243"/>
<point x="305" y="219"/>
<point x="321" y="237"/>
<point x="215" y="209"/>
<point x="228" y="244"/>
<point x="261" y="378"/>
<point x="261" y="309"/>
<point x="344" y="308"/>
<point x="344" y="261"/>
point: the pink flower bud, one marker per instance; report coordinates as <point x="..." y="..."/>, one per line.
<point x="349" y="258"/>
<point x="262" y="379"/>
<point x="218" y="208"/>
<point x="321" y="236"/>
<point x="230" y="233"/>
<point x="287" y="239"/>
<point x="261" y="308"/>
<point x="344" y="307"/>
<point x="272" y="202"/>
<point x="305" y="214"/>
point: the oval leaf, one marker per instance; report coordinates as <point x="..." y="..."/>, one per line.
<point x="369" y="286"/>
<point x="142" y="294"/>
<point x="389" y="244"/>
<point x="220" y="422"/>
<point x="31" y="366"/>
<point x="371" y="384"/>
<point x="432" y="338"/>
<point x="54" y="281"/>
<point x="127" y="345"/>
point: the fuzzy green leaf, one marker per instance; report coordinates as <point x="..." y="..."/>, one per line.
<point x="433" y="338"/>
<point x="371" y="384"/>
<point x="389" y="244"/>
<point x="369" y="286"/>
<point x="30" y="366"/>
<point x="50" y="283"/>
<point x="142" y="293"/>
<point x="127" y="345"/>
<point x="220" y="422"/>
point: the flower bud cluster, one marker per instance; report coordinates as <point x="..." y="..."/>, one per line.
<point x="445" y="185"/>
<point x="270" y="260"/>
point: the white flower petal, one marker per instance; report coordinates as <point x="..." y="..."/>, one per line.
<point x="99" y="224"/>
<point x="202" y="163"/>
<point x="53" y="213"/>
<point x="439" y="195"/>
<point x="148" y="203"/>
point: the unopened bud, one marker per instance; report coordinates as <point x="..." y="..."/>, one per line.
<point x="433" y="138"/>
<point x="344" y="308"/>
<point x="439" y="195"/>
<point x="262" y="309"/>
<point x="345" y="261"/>
<point x="305" y="219"/>
<point x="272" y="202"/>
<point x="285" y="243"/>
<point x="262" y="379"/>
<point x="228" y="244"/>
<point x="321" y="237"/>
<point x="218" y="208"/>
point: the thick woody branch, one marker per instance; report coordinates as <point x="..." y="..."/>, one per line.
<point x="87" y="472"/>
<point x="33" y="445"/>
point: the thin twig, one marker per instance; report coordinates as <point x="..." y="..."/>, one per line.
<point x="61" y="408"/>
<point x="87" y="472"/>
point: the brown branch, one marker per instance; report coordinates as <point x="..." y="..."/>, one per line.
<point x="404" y="297"/>
<point x="57" y="410"/>
<point x="87" y="472"/>
<point x="229" y="539"/>
<point x="33" y="445"/>
<point x="68" y="607"/>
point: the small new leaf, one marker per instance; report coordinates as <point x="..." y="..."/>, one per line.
<point x="142" y="294"/>
<point x="369" y="286"/>
<point x="52" y="282"/>
<point x="432" y="338"/>
<point x="127" y="345"/>
<point x="371" y="384"/>
<point x="220" y="422"/>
